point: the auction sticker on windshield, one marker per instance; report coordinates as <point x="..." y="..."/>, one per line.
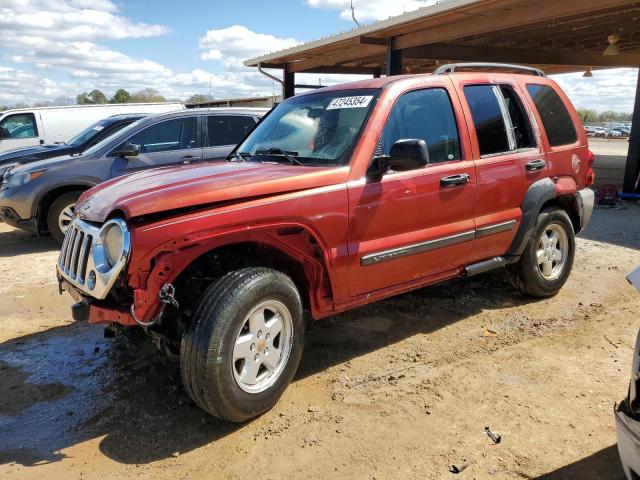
<point x="361" y="101"/>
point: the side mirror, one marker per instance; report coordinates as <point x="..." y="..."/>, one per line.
<point x="127" y="150"/>
<point x="408" y="154"/>
<point x="405" y="154"/>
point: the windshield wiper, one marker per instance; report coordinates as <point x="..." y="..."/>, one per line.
<point x="278" y="152"/>
<point x="242" y="156"/>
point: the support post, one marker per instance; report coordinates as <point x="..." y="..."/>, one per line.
<point x="394" y="60"/>
<point x="289" y="85"/>
<point x="632" y="169"/>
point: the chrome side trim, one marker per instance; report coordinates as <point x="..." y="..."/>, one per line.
<point x="422" y="247"/>
<point x="496" y="228"/>
<point x="416" y="248"/>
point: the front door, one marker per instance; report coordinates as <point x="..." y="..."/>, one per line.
<point x="169" y="142"/>
<point x="414" y="224"/>
<point x="19" y="130"/>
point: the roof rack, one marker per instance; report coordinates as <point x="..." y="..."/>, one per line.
<point x="451" y="68"/>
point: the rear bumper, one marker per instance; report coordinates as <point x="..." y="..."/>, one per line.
<point x="586" y="200"/>
<point x="628" y="432"/>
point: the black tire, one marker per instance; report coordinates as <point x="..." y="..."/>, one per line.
<point x="59" y="204"/>
<point x="525" y="275"/>
<point x="206" y="351"/>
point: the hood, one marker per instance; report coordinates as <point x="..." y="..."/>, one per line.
<point x="24" y="155"/>
<point x="42" y="164"/>
<point x="172" y="188"/>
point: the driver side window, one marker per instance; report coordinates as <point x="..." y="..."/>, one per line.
<point x="424" y="115"/>
<point x="177" y="134"/>
<point x="20" y="125"/>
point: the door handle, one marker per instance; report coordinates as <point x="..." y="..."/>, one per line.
<point x="534" y="165"/>
<point x="454" y="180"/>
<point x="189" y="158"/>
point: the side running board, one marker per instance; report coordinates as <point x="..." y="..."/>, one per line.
<point x="486" y="265"/>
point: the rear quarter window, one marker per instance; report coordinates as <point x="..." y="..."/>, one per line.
<point x="555" y="116"/>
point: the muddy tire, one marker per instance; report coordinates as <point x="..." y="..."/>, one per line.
<point x="60" y="214"/>
<point x="547" y="260"/>
<point x="244" y="345"/>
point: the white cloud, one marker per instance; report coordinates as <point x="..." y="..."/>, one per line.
<point x="83" y="20"/>
<point x="233" y="45"/>
<point x="606" y="90"/>
<point x="370" y="10"/>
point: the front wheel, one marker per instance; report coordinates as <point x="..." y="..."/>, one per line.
<point x="546" y="262"/>
<point x="61" y="214"/>
<point x="244" y="345"/>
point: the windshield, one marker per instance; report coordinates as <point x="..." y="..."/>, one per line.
<point x="87" y="134"/>
<point x="105" y="141"/>
<point x="317" y="129"/>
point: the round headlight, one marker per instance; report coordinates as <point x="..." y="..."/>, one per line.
<point x="113" y="242"/>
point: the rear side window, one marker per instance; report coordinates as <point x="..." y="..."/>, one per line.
<point x="225" y="130"/>
<point x="555" y="117"/>
<point x="178" y="134"/>
<point x="425" y="115"/>
<point x="488" y="118"/>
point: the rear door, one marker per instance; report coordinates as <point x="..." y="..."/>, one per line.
<point x="509" y="157"/>
<point x="411" y="225"/>
<point x="174" y="141"/>
<point x="222" y="133"/>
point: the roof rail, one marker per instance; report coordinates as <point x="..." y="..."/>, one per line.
<point x="451" y="67"/>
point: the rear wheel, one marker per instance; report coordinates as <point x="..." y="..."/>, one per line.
<point x="244" y="345"/>
<point x="548" y="258"/>
<point x="61" y="213"/>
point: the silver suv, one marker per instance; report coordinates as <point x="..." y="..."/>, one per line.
<point x="41" y="196"/>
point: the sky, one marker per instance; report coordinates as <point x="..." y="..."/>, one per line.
<point x="51" y="48"/>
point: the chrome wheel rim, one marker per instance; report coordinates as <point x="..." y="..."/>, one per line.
<point x="553" y="250"/>
<point x="262" y="346"/>
<point x="65" y="217"/>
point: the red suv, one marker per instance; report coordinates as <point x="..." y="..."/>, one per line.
<point x="337" y="198"/>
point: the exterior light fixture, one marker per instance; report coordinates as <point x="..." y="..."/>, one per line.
<point x="587" y="73"/>
<point x="612" y="48"/>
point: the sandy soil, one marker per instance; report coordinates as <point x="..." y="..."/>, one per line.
<point x="399" y="389"/>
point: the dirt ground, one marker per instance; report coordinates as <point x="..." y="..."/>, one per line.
<point x="400" y="389"/>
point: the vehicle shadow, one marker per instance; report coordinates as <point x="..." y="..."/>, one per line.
<point x="602" y="465"/>
<point x="18" y="242"/>
<point x="126" y="391"/>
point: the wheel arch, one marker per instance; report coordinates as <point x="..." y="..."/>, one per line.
<point x="292" y="249"/>
<point x="46" y="200"/>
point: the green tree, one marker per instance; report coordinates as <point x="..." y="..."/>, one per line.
<point x="97" y="96"/>
<point x="198" y="98"/>
<point x="147" y="95"/>
<point x="83" y="98"/>
<point x="93" y="97"/>
<point x="121" y="96"/>
<point x="587" y="115"/>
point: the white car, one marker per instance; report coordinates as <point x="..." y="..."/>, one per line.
<point x="28" y="127"/>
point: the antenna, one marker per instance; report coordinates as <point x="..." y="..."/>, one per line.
<point x="210" y="85"/>
<point x="353" y="15"/>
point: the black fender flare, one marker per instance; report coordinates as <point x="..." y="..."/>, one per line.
<point x="538" y="194"/>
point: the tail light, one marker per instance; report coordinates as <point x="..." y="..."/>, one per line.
<point x="591" y="175"/>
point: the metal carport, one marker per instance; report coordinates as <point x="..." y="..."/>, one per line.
<point x="559" y="36"/>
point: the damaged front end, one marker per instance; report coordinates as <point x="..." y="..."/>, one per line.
<point x="92" y="268"/>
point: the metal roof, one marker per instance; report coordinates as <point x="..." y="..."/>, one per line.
<point x="556" y="35"/>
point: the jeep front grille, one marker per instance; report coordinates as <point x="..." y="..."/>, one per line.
<point x="82" y="261"/>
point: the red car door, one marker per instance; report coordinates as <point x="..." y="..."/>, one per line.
<point x="509" y="157"/>
<point x="412" y="225"/>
